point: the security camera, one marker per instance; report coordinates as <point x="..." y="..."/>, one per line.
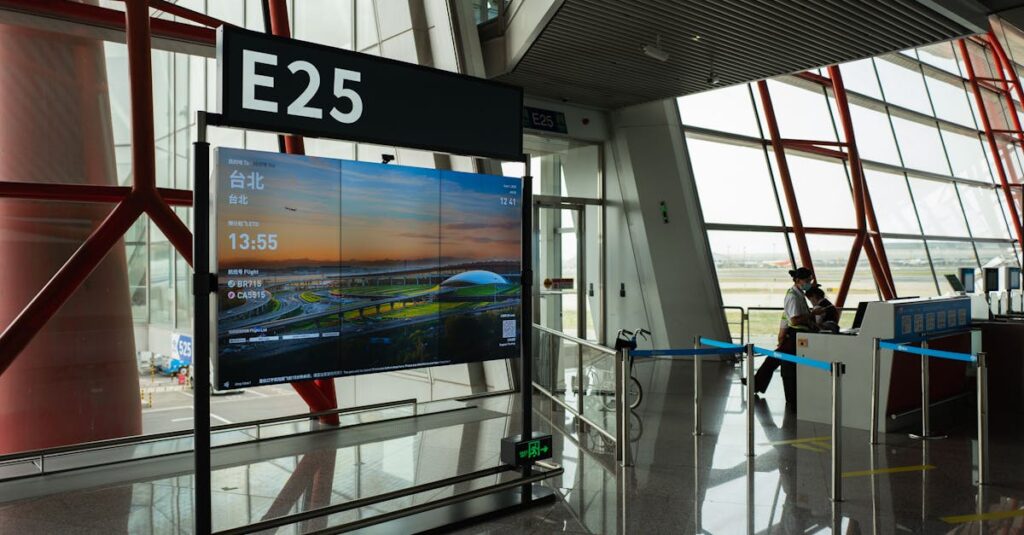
<point x="387" y="158"/>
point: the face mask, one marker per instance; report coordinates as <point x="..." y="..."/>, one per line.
<point x="805" y="286"/>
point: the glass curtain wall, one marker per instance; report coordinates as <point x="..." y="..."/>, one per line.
<point x="928" y="172"/>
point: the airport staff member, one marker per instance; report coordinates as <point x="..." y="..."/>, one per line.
<point x="795" y="318"/>
<point x="826" y="316"/>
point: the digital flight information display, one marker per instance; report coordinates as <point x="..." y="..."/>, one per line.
<point x="330" y="267"/>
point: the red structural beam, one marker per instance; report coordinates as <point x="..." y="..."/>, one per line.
<point x="873" y="248"/>
<point x="784" y="177"/>
<point x="319" y="394"/>
<point x="84" y="193"/>
<point x="109" y="18"/>
<point x="990" y="135"/>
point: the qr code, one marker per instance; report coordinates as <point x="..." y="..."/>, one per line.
<point x="508" y="328"/>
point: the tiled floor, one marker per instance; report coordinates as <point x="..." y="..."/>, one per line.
<point x="678" y="484"/>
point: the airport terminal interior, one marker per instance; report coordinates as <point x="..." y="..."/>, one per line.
<point x="511" y="266"/>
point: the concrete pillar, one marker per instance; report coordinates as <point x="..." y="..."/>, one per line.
<point x="77" y="380"/>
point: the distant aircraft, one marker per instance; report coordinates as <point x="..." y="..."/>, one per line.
<point x="290" y="209"/>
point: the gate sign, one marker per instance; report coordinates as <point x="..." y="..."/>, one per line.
<point x="286" y="85"/>
<point x="181" y="348"/>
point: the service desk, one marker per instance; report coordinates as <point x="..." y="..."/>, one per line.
<point x="948" y="319"/>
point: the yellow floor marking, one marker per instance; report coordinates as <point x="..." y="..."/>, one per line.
<point x="809" y="447"/>
<point x="893" y="470"/>
<point x="799" y="441"/>
<point x="999" y="515"/>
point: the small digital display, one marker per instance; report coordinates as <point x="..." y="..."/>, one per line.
<point x="991" y="280"/>
<point x="967" y="279"/>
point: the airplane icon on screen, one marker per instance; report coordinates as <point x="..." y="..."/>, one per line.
<point x="290" y="209"/>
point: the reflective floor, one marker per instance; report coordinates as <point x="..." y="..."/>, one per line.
<point x="679" y="483"/>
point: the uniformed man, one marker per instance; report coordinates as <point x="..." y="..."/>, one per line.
<point x="796" y="317"/>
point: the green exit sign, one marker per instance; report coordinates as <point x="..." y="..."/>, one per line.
<point x="515" y="451"/>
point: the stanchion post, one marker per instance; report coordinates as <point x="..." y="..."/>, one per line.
<point x="982" y="420"/>
<point x="696" y="388"/>
<point x="876" y="365"/>
<point x="620" y="413"/>
<point x="837" y="431"/>
<point x="925" y="398"/>
<point x="749" y="364"/>
<point x="624" y="408"/>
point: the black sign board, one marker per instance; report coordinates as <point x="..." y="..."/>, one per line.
<point x="285" y="85"/>
<point x="546" y="120"/>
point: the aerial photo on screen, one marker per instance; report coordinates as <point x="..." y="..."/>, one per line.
<point x="331" y="268"/>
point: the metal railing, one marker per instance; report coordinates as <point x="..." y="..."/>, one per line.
<point x="580" y="377"/>
<point x="39" y="457"/>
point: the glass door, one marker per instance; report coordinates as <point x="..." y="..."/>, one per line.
<point x="560" y="299"/>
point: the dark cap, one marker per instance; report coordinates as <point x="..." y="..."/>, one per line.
<point x="801" y="273"/>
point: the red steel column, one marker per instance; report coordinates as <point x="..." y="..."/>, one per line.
<point x="784" y="176"/>
<point x="859" y="199"/>
<point x="67" y="361"/>
<point x="992" y="144"/>
<point x="319" y="394"/>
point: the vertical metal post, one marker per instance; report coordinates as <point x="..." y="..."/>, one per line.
<point x="620" y="406"/>
<point x="838" y="368"/>
<point x="925" y="398"/>
<point x="696" y="388"/>
<point x="201" y="326"/>
<point x="697" y="523"/>
<point x="982" y="420"/>
<point x="580" y="377"/>
<point x="526" y="324"/>
<point x="749" y="364"/>
<point x="750" y="495"/>
<point x="876" y="365"/>
<point x="623" y="408"/>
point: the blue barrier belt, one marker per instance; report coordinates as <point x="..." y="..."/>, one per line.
<point x="722" y="345"/>
<point x="827" y="366"/>
<point x="682" y="352"/>
<point x="963" y="357"/>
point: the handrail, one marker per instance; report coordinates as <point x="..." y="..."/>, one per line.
<point x="580" y="341"/>
<point x="142" y="439"/>
<point x="923" y="351"/>
<point x="680" y="352"/>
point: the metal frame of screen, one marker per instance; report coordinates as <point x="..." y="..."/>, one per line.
<point x="205" y="283"/>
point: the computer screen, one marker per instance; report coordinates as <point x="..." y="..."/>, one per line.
<point x="991" y="279"/>
<point x="862" y="307"/>
<point x="955" y="283"/>
<point x="967" y="279"/>
<point x="1014" y="276"/>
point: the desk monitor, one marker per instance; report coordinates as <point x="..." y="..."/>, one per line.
<point x="991" y="279"/>
<point x="1013" y="279"/>
<point x="862" y="307"/>
<point x="967" y="279"/>
<point x="954" y="282"/>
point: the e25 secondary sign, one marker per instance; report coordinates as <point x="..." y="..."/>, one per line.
<point x="285" y="85"/>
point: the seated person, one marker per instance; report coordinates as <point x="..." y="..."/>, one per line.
<point x="826" y="316"/>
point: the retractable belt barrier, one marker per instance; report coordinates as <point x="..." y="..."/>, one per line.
<point x="979" y="361"/>
<point x="803" y="361"/>
<point x="716" y="347"/>
<point x="924" y="351"/>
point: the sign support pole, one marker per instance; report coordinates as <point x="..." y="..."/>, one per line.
<point x="201" y="349"/>
<point x="526" y="323"/>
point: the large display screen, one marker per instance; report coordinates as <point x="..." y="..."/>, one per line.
<point x="331" y="267"/>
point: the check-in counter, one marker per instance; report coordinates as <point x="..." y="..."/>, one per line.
<point x="947" y="320"/>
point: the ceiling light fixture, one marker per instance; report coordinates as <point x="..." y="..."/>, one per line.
<point x="655" y="51"/>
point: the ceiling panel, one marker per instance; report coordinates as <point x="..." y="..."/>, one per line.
<point x="591" y="51"/>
